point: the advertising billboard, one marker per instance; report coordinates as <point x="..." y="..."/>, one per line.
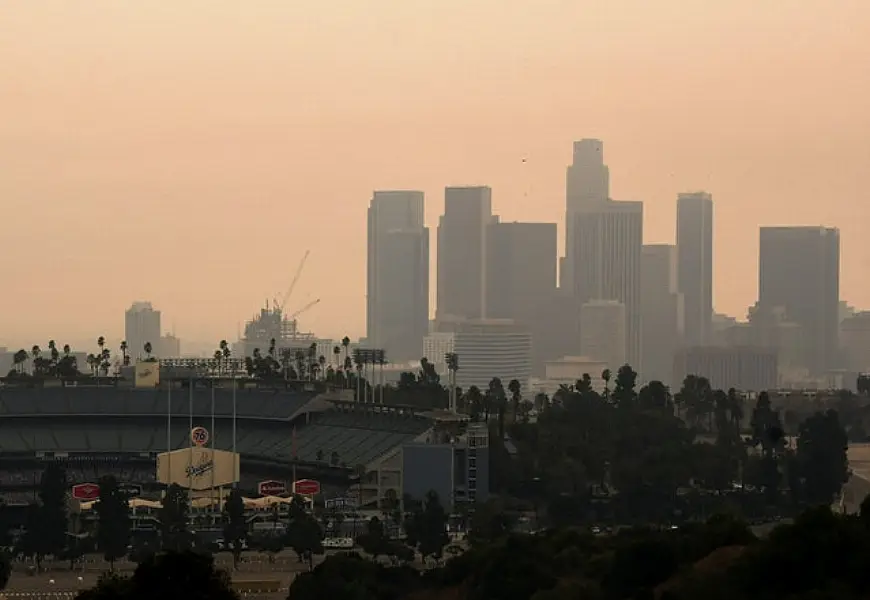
<point x="147" y="374"/>
<point x="198" y="468"/>
<point x="272" y="488"/>
<point x="86" y="491"/>
<point x="306" y="487"/>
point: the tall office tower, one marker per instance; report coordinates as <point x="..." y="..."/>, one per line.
<point x="141" y="325"/>
<point x="587" y="184"/>
<point x="799" y="270"/>
<point x="521" y="281"/>
<point x="462" y="251"/>
<point x="397" y="301"/>
<point x="661" y="309"/>
<point x="607" y="253"/>
<point x="521" y="269"/>
<point x="695" y="264"/>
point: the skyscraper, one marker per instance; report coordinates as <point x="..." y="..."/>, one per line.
<point x="462" y="250"/>
<point x="141" y="326"/>
<point x="661" y="312"/>
<point x="397" y="302"/>
<point x="521" y="269"/>
<point x="607" y="251"/>
<point x="587" y="184"/>
<point x="521" y="281"/>
<point x="799" y="270"/>
<point x="695" y="264"/>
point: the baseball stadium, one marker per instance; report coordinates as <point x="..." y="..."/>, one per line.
<point x="128" y="427"/>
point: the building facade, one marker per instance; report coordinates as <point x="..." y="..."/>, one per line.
<point x="602" y="332"/>
<point x="397" y="286"/>
<point x="486" y="349"/>
<point x="799" y="270"/>
<point x="745" y="368"/>
<point x="462" y="252"/>
<point x="609" y="239"/>
<point x="141" y="326"/>
<point x="587" y="183"/>
<point x="695" y="264"/>
<point x="661" y="312"/>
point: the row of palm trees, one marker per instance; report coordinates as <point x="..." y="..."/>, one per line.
<point x="62" y="363"/>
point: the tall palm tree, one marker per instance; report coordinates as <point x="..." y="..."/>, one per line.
<point x="147" y="348"/>
<point x="36" y="354"/>
<point x="55" y="355"/>
<point x="345" y="342"/>
<point x="18" y="360"/>
<point x="605" y="375"/>
<point x="322" y="363"/>
<point x="125" y="355"/>
<point x="474" y="402"/>
<point x="516" y="391"/>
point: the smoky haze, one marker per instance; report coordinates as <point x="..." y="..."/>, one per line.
<point x="189" y="152"/>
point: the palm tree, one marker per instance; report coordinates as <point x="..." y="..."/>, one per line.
<point x="474" y="402"/>
<point x="36" y="353"/>
<point x="336" y="354"/>
<point x="345" y="342"/>
<point x="322" y="362"/>
<point x="147" y="348"/>
<point x="125" y="356"/>
<point x="55" y="355"/>
<point x="515" y="389"/>
<point x="18" y="360"/>
<point x="101" y="342"/>
<point x="605" y="375"/>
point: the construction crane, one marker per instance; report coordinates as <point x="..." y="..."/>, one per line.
<point x="281" y="306"/>
<point x="311" y="304"/>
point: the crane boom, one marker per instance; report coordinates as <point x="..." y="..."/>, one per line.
<point x="303" y="309"/>
<point x="294" y="281"/>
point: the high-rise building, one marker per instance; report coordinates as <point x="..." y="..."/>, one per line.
<point x="607" y="252"/>
<point x="695" y="264"/>
<point x="661" y="312"/>
<point x="602" y="332"/>
<point x="486" y="348"/>
<point x="587" y="184"/>
<point x="462" y="249"/>
<point x="799" y="270"/>
<point x="521" y="281"/>
<point x="141" y="326"/>
<point x="397" y="300"/>
<point x="521" y="269"/>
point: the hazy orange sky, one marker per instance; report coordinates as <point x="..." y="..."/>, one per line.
<point x="188" y="152"/>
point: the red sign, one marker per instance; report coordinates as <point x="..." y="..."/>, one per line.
<point x="306" y="487"/>
<point x="272" y="488"/>
<point x="86" y="491"/>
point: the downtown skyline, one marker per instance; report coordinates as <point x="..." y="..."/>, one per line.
<point x="207" y="142"/>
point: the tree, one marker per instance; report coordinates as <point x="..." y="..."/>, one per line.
<point x="624" y="393"/>
<point x="52" y="513"/>
<point x="235" y="525"/>
<point x="304" y="534"/>
<point x="488" y="523"/>
<point x="173" y="519"/>
<point x="147" y="348"/>
<point x="5" y="570"/>
<point x="515" y="388"/>
<point x="821" y="459"/>
<point x="113" y="526"/>
<point x="169" y="575"/>
<point x="374" y="541"/>
<point x="426" y="527"/>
